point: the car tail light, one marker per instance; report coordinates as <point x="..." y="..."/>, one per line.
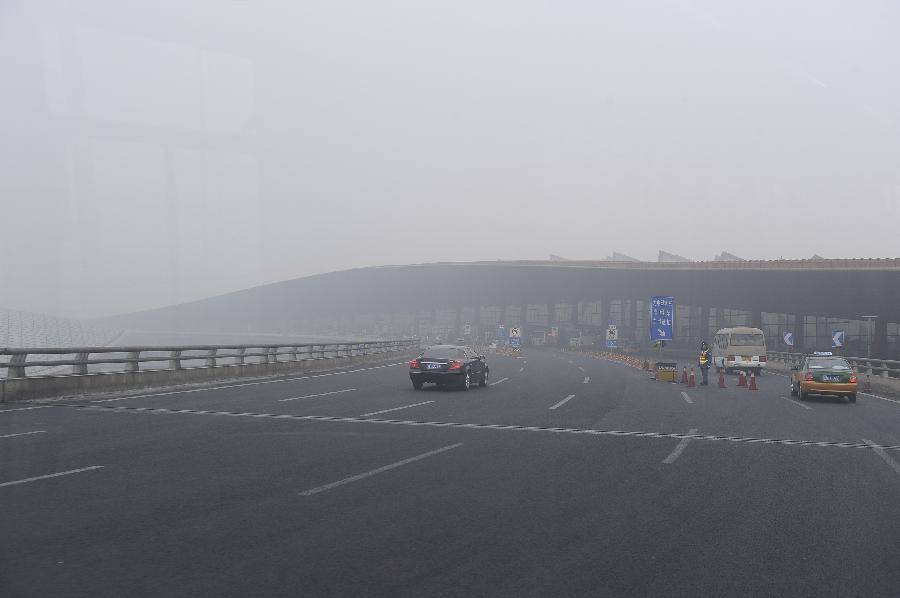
<point x="809" y="378"/>
<point x="853" y="379"/>
<point x="763" y="358"/>
<point x="414" y="364"/>
<point x="455" y="365"/>
<point x="729" y="358"/>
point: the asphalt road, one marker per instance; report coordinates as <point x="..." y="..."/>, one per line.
<point x="567" y="476"/>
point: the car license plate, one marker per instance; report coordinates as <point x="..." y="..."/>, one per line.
<point x="433" y="366"/>
<point x="747" y="359"/>
<point x="831" y="378"/>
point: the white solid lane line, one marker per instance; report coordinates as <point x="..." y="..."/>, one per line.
<point x="321" y="394"/>
<point x="797" y="403"/>
<point x="686" y="397"/>
<point x="190" y="390"/>
<point x="50" y="475"/>
<point x="587" y="379"/>
<point x="680" y="448"/>
<point x="367" y="474"/>
<point x="563" y="402"/>
<point x="499" y="381"/>
<point x="881" y="453"/>
<point x="395" y="409"/>
<point x="866" y="394"/>
<point x="24" y="433"/>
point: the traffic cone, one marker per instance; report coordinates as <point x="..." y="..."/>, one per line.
<point x="742" y="379"/>
<point x="684" y="378"/>
<point x="722" y="379"/>
<point x="752" y="381"/>
<point x="691" y="382"/>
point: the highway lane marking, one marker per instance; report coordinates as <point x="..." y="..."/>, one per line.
<point x="866" y="394"/>
<point x="24" y="433"/>
<point x="190" y="390"/>
<point x="501" y="380"/>
<point x="50" y="475"/>
<point x="687" y="398"/>
<point x="396" y="409"/>
<point x="362" y="476"/>
<point x="521" y="369"/>
<point x="887" y="458"/>
<point x="26" y="408"/>
<point x="797" y="403"/>
<point x="321" y="394"/>
<point x="475" y="426"/>
<point x="587" y="379"/>
<point x="679" y="448"/>
<point x="581" y="368"/>
<point x="563" y="402"/>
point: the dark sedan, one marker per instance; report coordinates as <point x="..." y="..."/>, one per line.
<point x="449" y="365"/>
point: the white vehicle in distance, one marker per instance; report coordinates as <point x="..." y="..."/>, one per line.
<point x="740" y="348"/>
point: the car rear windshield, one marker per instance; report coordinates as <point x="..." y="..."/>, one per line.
<point x="829" y="363"/>
<point x="748" y="340"/>
<point x="443" y="353"/>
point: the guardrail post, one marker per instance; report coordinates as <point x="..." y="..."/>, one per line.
<point x="133" y="365"/>
<point x="16" y="369"/>
<point x="80" y="367"/>
<point x="239" y="357"/>
<point x="175" y="360"/>
<point x="211" y="358"/>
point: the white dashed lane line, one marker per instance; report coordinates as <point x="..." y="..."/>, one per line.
<point x="396" y="408"/>
<point x="367" y="474"/>
<point x="24" y="433"/>
<point x="500" y="381"/>
<point x="563" y="402"/>
<point x="686" y="397"/>
<point x="50" y="475"/>
<point x="315" y="396"/>
<point x="797" y="403"/>
<point x="679" y="448"/>
<point x="887" y="458"/>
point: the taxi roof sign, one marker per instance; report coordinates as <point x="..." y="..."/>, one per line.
<point x="823" y="353"/>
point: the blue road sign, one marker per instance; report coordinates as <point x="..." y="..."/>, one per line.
<point x="515" y="342"/>
<point x="611" y="344"/>
<point x="837" y="338"/>
<point x="789" y="339"/>
<point x="501" y="331"/>
<point x="662" y="318"/>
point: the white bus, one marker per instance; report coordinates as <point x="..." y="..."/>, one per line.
<point x="739" y="348"/>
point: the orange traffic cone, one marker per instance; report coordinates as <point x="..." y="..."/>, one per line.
<point x="752" y="381"/>
<point x="691" y="382"/>
<point x="684" y="377"/>
<point x="722" y="379"/>
<point x="742" y="379"/>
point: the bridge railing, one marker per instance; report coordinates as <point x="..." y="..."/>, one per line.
<point x="884" y="368"/>
<point x="95" y="360"/>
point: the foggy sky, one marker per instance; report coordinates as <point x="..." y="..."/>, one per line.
<point x="159" y="152"/>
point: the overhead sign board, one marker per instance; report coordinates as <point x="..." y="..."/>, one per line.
<point x="662" y="317"/>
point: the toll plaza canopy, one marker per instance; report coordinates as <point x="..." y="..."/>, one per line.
<point x="845" y="288"/>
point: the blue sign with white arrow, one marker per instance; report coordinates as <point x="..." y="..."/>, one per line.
<point x="789" y="339"/>
<point x="662" y="318"/>
<point x="837" y="338"/>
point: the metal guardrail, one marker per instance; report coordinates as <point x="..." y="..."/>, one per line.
<point x="884" y="368"/>
<point x="178" y="356"/>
